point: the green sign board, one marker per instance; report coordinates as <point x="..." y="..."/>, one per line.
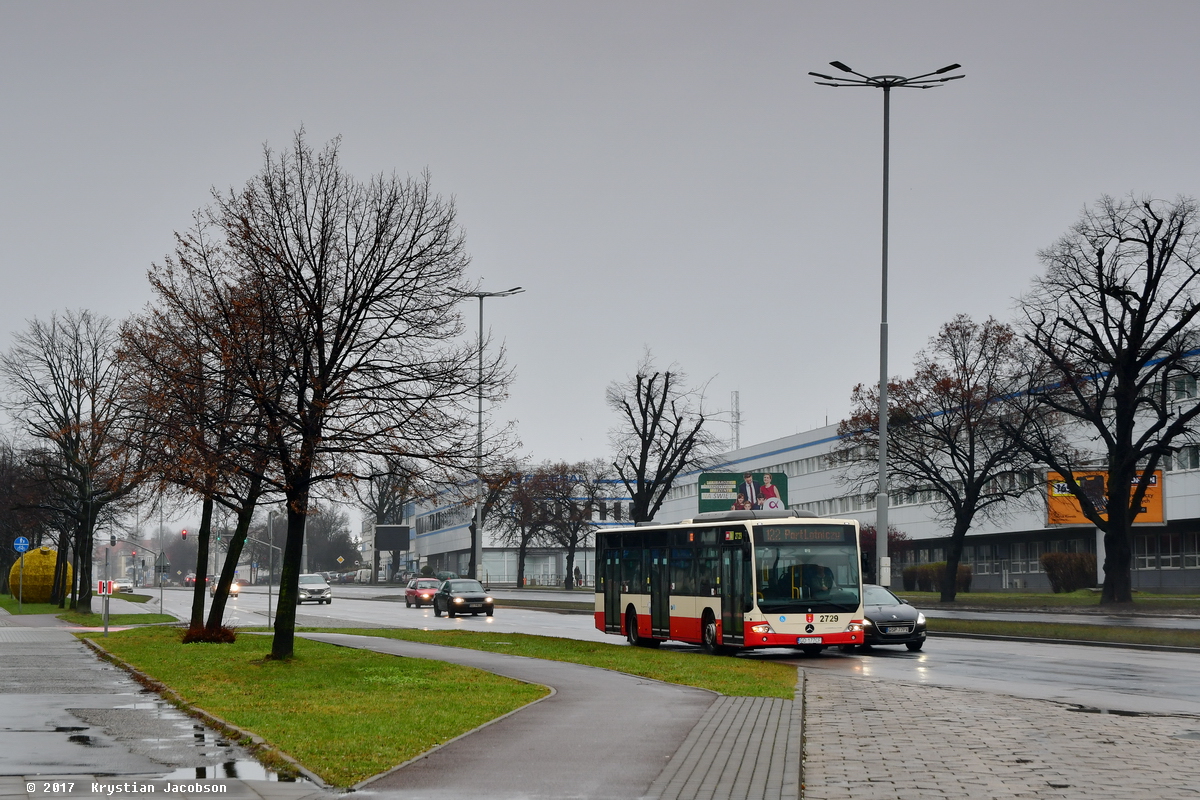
<point x="742" y="491"/>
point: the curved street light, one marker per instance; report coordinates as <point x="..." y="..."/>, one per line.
<point x="477" y="546"/>
<point x="929" y="80"/>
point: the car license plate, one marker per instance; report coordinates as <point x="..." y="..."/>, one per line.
<point x="904" y="629"/>
<point x="808" y="640"/>
<point x="476" y="605"/>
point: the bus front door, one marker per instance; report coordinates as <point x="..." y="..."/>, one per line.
<point x="733" y="593"/>
<point x="660" y="593"/>
<point x="612" y="590"/>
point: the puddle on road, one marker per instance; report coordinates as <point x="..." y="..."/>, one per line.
<point x="186" y="734"/>
<point x="241" y="770"/>
<point x="1190" y="735"/>
<point x="1114" y="712"/>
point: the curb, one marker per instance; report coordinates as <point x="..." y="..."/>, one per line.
<point x="257" y="745"/>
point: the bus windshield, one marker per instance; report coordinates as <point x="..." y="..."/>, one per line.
<point x="802" y="568"/>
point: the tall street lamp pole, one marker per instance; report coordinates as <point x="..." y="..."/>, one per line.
<point x="929" y="80"/>
<point x="477" y="553"/>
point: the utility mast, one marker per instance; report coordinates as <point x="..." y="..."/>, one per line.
<point x="735" y="418"/>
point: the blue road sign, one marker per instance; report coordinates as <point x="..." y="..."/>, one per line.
<point x="20" y="544"/>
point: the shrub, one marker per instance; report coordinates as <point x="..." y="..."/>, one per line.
<point x="200" y="633"/>
<point x="1069" y="571"/>
<point x="909" y="576"/>
<point x="963" y="581"/>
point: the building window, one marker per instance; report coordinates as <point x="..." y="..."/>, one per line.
<point x="1169" y="555"/>
<point x="1016" y="563"/>
<point x="1144" y="556"/>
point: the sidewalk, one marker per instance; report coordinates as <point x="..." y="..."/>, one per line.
<point x="77" y="726"/>
<point x="870" y="740"/>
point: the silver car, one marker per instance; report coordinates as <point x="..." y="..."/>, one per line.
<point x="314" y="589"/>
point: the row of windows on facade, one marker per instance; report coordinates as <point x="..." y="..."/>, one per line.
<point x="616" y="510"/>
<point x="860" y="502"/>
<point x="988" y="559"/>
<point x="1150" y="551"/>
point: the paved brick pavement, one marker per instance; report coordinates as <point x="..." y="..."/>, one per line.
<point x="743" y="748"/>
<point x="870" y="740"/>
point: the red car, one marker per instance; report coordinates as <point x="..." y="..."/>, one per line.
<point x="420" y="592"/>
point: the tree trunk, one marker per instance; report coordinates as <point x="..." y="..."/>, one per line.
<point x="201" y="585"/>
<point x="83" y="558"/>
<point x="522" y="548"/>
<point x="284" y="642"/>
<point x="216" y="612"/>
<point x="954" y="556"/>
<point x="1118" y="561"/>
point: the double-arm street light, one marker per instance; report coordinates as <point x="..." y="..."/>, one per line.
<point x="886" y="82"/>
<point x="477" y="552"/>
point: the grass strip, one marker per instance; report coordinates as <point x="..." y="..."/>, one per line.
<point x="97" y="620"/>
<point x="729" y="676"/>
<point x="553" y="605"/>
<point x="1067" y="632"/>
<point x="1047" y="601"/>
<point x="9" y="604"/>
<point x="344" y="714"/>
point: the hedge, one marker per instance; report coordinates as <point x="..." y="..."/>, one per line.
<point x="1069" y="571"/>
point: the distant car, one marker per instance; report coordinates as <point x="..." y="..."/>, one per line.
<point x="890" y="620"/>
<point x="420" y="592"/>
<point x="122" y="585"/>
<point x="446" y="575"/>
<point x="314" y="589"/>
<point x="462" y="596"/>
<point x="190" y="580"/>
<point x="234" y="589"/>
<point x="241" y="582"/>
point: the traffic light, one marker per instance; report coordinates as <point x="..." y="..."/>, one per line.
<point x="133" y="554"/>
<point x="185" y="534"/>
<point x="143" y="563"/>
<point x="112" y="540"/>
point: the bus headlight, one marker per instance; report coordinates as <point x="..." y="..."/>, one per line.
<point x="762" y="627"/>
<point x="855" y="626"/>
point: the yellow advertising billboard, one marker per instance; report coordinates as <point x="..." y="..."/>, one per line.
<point x="1062" y="507"/>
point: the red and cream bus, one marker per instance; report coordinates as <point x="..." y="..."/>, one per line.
<point x="733" y="580"/>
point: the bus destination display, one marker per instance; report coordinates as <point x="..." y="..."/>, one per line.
<point x="806" y="533"/>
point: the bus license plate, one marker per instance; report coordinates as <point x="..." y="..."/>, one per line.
<point x="808" y="640"/>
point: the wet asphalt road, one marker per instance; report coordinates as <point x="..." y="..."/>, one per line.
<point x="1110" y="678"/>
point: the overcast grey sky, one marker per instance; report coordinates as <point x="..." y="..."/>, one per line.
<point x="655" y="174"/>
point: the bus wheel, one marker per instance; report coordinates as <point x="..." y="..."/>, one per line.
<point x="708" y="635"/>
<point x="812" y="650"/>
<point x="631" y="630"/>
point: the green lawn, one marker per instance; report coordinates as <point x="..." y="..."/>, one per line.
<point x="728" y="676"/>
<point x="344" y="714"/>
<point x="97" y="620"/>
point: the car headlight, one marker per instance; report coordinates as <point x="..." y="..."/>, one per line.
<point x="458" y="599"/>
<point x="920" y="618"/>
<point x="855" y="626"/>
<point x="764" y="627"/>
<point x="425" y="596"/>
<point x="488" y="600"/>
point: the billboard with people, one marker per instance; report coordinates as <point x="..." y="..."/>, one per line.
<point x="742" y="491"/>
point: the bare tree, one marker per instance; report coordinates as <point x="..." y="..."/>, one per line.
<point x="946" y="430"/>
<point x="1113" y="321"/>
<point x="568" y="496"/>
<point x="185" y="354"/>
<point x="354" y="286"/>
<point x="661" y="434"/>
<point x="518" y="514"/>
<point x="64" y="382"/>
